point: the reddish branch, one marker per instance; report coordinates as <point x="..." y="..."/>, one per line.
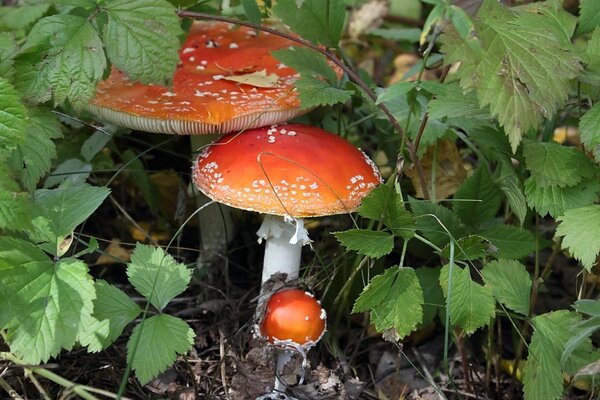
<point x="412" y="149"/>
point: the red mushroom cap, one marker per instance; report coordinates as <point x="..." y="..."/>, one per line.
<point x="293" y="317"/>
<point x="293" y="169"/>
<point x="205" y="98"/>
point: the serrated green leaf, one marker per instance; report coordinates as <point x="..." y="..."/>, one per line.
<point x="369" y="243"/>
<point x="578" y="349"/>
<point x="15" y="211"/>
<point x="467" y="248"/>
<point x="113" y="311"/>
<point x="394" y="91"/>
<point x="589" y="129"/>
<point x="524" y="72"/>
<point x="480" y="198"/>
<point x="72" y="60"/>
<point x="433" y="297"/>
<point x="142" y="38"/>
<point x="580" y="228"/>
<point x="156" y="275"/>
<point x="452" y="102"/>
<point x="12" y="117"/>
<point x="72" y="170"/>
<point x="395" y="301"/>
<point x="252" y="11"/>
<point x="326" y="19"/>
<point x="588" y="307"/>
<point x="8" y="50"/>
<point x="434" y="219"/>
<point x="57" y="212"/>
<point x="554" y="165"/>
<point x="471" y="305"/>
<point x="306" y="62"/>
<point x="510" y="283"/>
<point x="556" y="201"/>
<point x="384" y="204"/>
<point x="542" y="375"/>
<point x="510" y="184"/>
<point x="34" y="156"/>
<point x="49" y="300"/>
<point x="159" y="340"/>
<point x="509" y="241"/>
<point x="314" y="92"/>
<point x="589" y="16"/>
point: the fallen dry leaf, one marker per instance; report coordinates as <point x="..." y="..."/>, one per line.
<point x="258" y="79"/>
<point x="369" y="15"/>
<point x="114" y="253"/>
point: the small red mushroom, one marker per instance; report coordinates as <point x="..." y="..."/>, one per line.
<point x="293" y="318"/>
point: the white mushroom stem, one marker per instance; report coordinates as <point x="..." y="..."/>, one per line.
<point x="284" y="242"/>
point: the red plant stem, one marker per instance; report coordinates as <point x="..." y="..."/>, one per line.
<point x="334" y="59"/>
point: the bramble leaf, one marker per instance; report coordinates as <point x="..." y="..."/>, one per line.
<point x="509" y="241"/>
<point x="15" y="212"/>
<point x="113" y="311"/>
<point x="524" y="71"/>
<point x="542" y="375"/>
<point x="589" y="129"/>
<point x="12" y="117"/>
<point x="467" y="248"/>
<point x="8" y="51"/>
<point x="471" y="305"/>
<point x="159" y="340"/>
<point x="57" y="212"/>
<point x="555" y="201"/>
<point x="72" y="60"/>
<point x="315" y="92"/>
<point x="394" y="299"/>
<point x="480" y="198"/>
<point x="369" y="243"/>
<point x="326" y="19"/>
<point x="510" y="283"/>
<point x="49" y="300"/>
<point x="580" y="228"/>
<point x="384" y="204"/>
<point x="434" y="219"/>
<point x="156" y="275"/>
<point x="589" y="16"/>
<point x="554" y="165"/>
<point x="433" y="298"/>
<point x="142" y="38"/>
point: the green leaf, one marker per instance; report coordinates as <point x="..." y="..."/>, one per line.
<point x="141" y="38"/>
<point x="433" y="297"/>
<point x="588" y="307"/>
<point x="396" y="90"/>
<point x="113" y="311"/>
<point x="8" y="51"/>
<point x="21" y="17"/>
<point x="472" y="306"/>
<point x="589" y="16"/>
<point x="326" y="19"/>
<point x="453" y="103"/>
<point x="395" y="301"/>
<point x="510" y="241"/>
<point x="384" y="204"/>
<point x="72" y="58"/>
<point x="467" y="248"/>
<point x="510" y="283"/>
<point x="34" y="156"/>
<point x="524" y="72"/>
<point x="72" y="170"/>
<point x="556" y="201"/>
<point x="373" y="244"/>
<point x="542" y="375"/>
<point x="95" y="143"/>
<point x="57" y="212"/>
<point x="156" y="275"/>
<point x="159" y="340"/>
<point x="434" y="219"/>
<point x="578" y="349"/>
<point x="580" y="228"/>
<point x="589" y="129"/>
<point x="554" y="165"/>
<point x="12" y="117"/>
<point x="480" y="198"/>
<point x="410" y="35"/>
<point x="49" y="300"/>
<point x="307" y="62"/>
<point x="252" y="11"/>
<point x="15" y="211"/>
<point x="510" y="184"/>
<point x="315" y="92"/>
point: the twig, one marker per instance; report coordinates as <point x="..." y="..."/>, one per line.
<point x="223" y="365"/>
<point x="339" y="63"/>
<point x="11" y="392"/>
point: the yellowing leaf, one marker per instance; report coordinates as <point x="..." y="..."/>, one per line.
<point x="258" y="79"/>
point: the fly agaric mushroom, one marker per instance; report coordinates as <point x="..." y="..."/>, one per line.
<point x="293" y="320"/>
<point x="226" y="81"/>
<point x="293" y="170"/>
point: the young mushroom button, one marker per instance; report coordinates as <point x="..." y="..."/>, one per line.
<point x="292" y="170"/>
